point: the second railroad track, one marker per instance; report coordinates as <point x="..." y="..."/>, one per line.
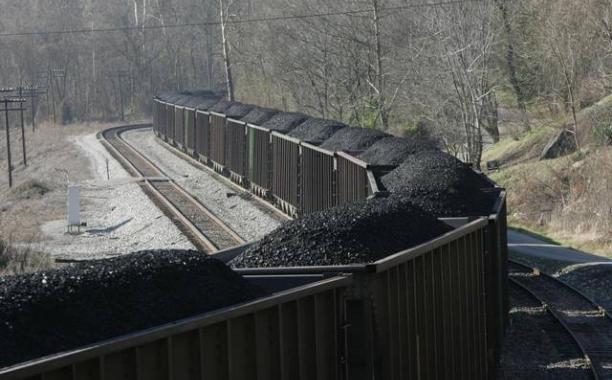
<point x="204" y="229"/>
<point x="588" y="323"/>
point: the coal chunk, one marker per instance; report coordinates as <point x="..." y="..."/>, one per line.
<point x="259" y="115"/>
<point x="57" y="310"/>
<point x="353" y="139"/>
<point x="315" y="130"/>
<point x="355" y="233"/>
<point x="284" y="122"/>
<point x="391" y="151"/>
<point x="441" y="184"/>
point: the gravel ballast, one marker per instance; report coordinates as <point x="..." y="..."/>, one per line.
<point x="284" y="122"/>
<point x="316" y="131"/>
<point x="355" y="233"/>
<point x="259" y="115"/>
<point x="353" y="139"/>
<point x="53" y="311"/>
<point x="440" y="184"/>
<point x="391" y="151"/>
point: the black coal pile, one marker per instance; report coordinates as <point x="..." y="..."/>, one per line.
<point x="353" y="139"/>
<point x="440" y="184"/>
<point x="315" y="130"/>
<point x="355" y="233"/>
<point x="393" y="150"/>
<point x="259" y="115"/>
<point x="238" y="110"/>
<point x="52" y="311"/>
<point x="203" y="102"/>
<point x="222" y="106"/>
<point x="284" y="121"/>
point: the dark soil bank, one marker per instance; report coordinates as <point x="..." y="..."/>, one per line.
<point x="53" y="311"/>
<point x="441" y="185"/>
<point x="356" y="233"/>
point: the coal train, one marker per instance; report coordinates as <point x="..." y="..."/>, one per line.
<point x="434" y="311"/>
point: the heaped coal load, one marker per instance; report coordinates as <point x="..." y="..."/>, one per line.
<point x="440" y="184"/>
<point x="353" y="139"/>
<point x="259" y="115"/>
<point x="203" y="102"/>
<point x="284" y="122"/>
<point x="222" y="105"/>
<point x="391" y="151"/>
<point x="52" y="311"/>
<point x="238" y="110"/>
<point x="355" y="233"/>
<point x="315" y="131"/>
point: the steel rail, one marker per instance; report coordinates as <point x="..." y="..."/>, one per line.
<point x="203" y="228"/>
<point x="586" y="332"/>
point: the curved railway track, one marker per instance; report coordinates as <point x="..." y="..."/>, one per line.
<point x="204" y="229"/>
<point x="588" y="323"/>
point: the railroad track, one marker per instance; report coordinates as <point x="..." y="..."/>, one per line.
<point x="588" y="323"/>
<point x="203" y="228"/>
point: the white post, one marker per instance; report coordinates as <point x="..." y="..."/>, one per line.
<point x="74" y="206"/>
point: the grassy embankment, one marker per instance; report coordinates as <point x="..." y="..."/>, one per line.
<point x="568" y="199"/>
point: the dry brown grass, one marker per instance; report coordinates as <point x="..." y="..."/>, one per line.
<point x="568" y="199"/>
<point x="18" y="260"/>
<point x="38" y="193"/>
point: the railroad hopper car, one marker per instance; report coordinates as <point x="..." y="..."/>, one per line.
<point x="217" y="117"/>
<point x="419" y="313"/>
<point x="354" y="178"/>
<point x="287" y="187"/>
<point x="192" y="113"/>
<point x="316" y="166"/>
<point x="262" y="149"/>
<point x="235" y="141"/>
<point x="295" y="333"/>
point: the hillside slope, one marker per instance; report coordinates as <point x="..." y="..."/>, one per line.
<point x="568" y="198"/>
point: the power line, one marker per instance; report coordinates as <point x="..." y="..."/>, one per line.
<point x="235" y="21"/>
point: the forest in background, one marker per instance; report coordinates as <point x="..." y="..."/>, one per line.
<point x="490" y="80"/>
<point x="457" y="69"/>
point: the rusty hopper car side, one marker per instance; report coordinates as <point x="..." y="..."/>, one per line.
<point x="354" y="180"/>
<point x="420" y="313"/>
<point x="202" y="135"/>
<point x="235" y="149"/>
<point x="259" y="141"/>
<point x="293" y="334"/>
<point x="286" y="172"/>
<point x="317" y="178"/>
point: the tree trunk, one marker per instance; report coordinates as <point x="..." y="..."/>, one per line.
<point x="511" y="62"/>
<point x="226" y="56"/>
<point x="380" y="75"/>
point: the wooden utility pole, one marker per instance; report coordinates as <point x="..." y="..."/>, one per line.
<point x="226" y="55"/>
<point x="7" y="101"/>
<point x="8" y="143"/>
<point x="23" y="139"/>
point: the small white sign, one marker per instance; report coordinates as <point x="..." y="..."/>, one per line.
<point x="74" y="205"/>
